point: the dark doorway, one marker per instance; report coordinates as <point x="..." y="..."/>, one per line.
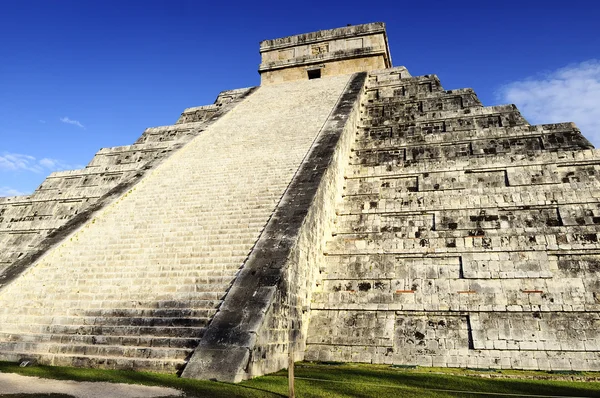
<point x="314" y="74"/>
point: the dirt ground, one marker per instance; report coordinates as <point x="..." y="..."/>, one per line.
<point x="11" y="383"/>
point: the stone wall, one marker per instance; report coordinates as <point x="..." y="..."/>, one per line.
<point x="465" y="237"/>
<point x="290" y="313"/>
<point x="333" y="52"/>
<point x="333" y="68"/>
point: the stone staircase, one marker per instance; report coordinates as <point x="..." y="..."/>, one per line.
<point x="26" y="221"/>
<point x="465" y="237"/>
<point x="137" y="285"/>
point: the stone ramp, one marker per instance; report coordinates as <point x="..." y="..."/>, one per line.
<point x="136" y="286"/>
<point x="465" y="237"/>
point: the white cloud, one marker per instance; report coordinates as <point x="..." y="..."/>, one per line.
<point x="21" y="162"/>
<point x="70" y="121"/>
<point x="56" y="165"/>
<point x="49" y="163"/>
<point x="8" y="191"/>
<point x="569" y="94"/>
<point x="18" y="161"/>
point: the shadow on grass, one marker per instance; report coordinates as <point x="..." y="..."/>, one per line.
<point x="366" y="374"/>
<point x="201" y="388"/>
<point x="347" y="380"/>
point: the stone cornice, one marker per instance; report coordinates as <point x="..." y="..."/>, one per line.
<point x="323" y="35"/>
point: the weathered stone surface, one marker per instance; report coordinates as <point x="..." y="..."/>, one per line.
<point x="465" y="237"/>
<point x="332" y="52"/>
<point x="142" y="277"/>
<point x="369" y="218"/>
<point x="262" y="314"/>
<point x="30" y="225"/>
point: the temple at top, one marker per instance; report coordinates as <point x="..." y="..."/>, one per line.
<point x="333" y="52"/>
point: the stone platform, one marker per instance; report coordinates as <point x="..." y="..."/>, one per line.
<point x="464" y="237"/>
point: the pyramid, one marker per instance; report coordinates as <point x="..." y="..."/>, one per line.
<point x="343" y="210"/>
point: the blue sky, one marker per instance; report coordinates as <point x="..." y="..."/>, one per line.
<point x="76" y="76"/>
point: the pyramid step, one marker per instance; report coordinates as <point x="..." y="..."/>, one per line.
<point x="397" y="101"/>
<point x="142" y="278"/>
<point x="112" y="321"/>
<point x="138" y="341"/>
<point x="97" y="350"/>
<point x="146" y="312"/>
<point x="167" y="313"/>
<point x="558" y="136"/>
<point x="96" y="361"/>
<point x="58" y="293"/>
<point x="33" y="308"/>
<point x="201" y="300"/>
<point x="106" y="330"/>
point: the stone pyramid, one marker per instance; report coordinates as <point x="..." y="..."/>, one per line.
<point x="342" y="211"/>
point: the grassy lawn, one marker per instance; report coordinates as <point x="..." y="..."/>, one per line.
<point x="339" y="380"/>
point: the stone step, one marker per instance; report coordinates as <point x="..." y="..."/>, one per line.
<point x="549" y="160"/>
<point x="416" y="84"/>
<point x="364" y="196"/>
<point x="556" y="135"/>
<point x="187" y="312"/>
<point x="110" y="320"/>
<point x="105" y="330"/>
<point x="30" y="220"/>
<point x="471" y="263"/>
<point x="124" y="292"/>
<point x="425" y="102"/>
<point x="160" y="263"/>
<point x="459" y="119"/>
<point x="183" y="271"/>
<point x="399" y="93"/>
<point x="441" y="294"/>
<point x="98" y="362"/>
<point x="81" y="339"/>
<point x="80" y="300"/>
<point x="582" y="237"/>
<point x="423" y="227"/>
<point x="428" y="202"/>
<point x="95" y="349"/>
<point x="77" y="306"/>
<point x="479" y="197"/>
<point x="170" y="134"/>
<point x="550" y="218"/>
<point x="434" y="152"/>
<point x="138" y="155"/>
<point x="204" y="266"/>
<point x="190" y="277"/>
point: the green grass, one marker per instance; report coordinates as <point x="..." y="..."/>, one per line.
<point x="340" y="380"/>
